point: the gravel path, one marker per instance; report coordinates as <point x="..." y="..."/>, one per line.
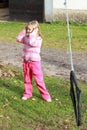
<point x="54" y="62"/>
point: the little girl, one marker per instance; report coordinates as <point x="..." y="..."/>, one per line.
<point x="32" y="40"/>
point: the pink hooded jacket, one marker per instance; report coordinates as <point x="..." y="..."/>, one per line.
<point x="32" y="45"/>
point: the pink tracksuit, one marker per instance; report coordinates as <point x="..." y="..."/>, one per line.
<point x="32" y="64"/>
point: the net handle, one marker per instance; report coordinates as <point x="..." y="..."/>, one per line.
<point x="69" y="34"/>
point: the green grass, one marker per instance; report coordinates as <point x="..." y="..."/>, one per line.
<point x="35" y="114"/>
<point x="54" y="35"/>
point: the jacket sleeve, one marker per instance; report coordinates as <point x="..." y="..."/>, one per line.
<point x="21" y="36"/>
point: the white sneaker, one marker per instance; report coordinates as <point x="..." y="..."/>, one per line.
<point x="24" y="98"/>
<point x="49" y="100"/>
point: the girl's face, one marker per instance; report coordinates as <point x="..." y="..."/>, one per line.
<point x="30" y="29"/>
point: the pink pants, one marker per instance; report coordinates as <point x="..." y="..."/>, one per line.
<point x="34" y="69"/>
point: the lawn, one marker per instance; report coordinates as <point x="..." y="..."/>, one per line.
<point x="36" y="114"/>
<point x="54" y="35"/>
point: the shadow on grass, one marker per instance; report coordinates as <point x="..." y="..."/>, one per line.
<point x="19" y="89"/>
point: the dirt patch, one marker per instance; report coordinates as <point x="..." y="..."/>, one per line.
<point x="54" y="62"/>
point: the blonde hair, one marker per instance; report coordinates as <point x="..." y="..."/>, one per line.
<point x="35" y="25"/>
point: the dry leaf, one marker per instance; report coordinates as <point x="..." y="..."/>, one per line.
<point x="0" y="72"/>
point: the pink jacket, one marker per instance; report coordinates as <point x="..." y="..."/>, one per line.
<point x="32" y="45"/>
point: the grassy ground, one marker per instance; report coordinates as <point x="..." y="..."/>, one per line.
<point x="36" y="114"/>
<point x="54" y="35"/>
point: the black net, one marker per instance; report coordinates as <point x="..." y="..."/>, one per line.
<point x="75" y="94"/>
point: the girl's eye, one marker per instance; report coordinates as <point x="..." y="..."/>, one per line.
<point x="28" y="30"/>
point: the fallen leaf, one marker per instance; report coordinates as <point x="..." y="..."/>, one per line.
<point x="33" y="99"/>
<point x="1" y="66"/>
<point x="67" y="122"/>
<point x="1" y="116"/>
<point x="5" y="105"/>
<point x="0" y="72"/>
